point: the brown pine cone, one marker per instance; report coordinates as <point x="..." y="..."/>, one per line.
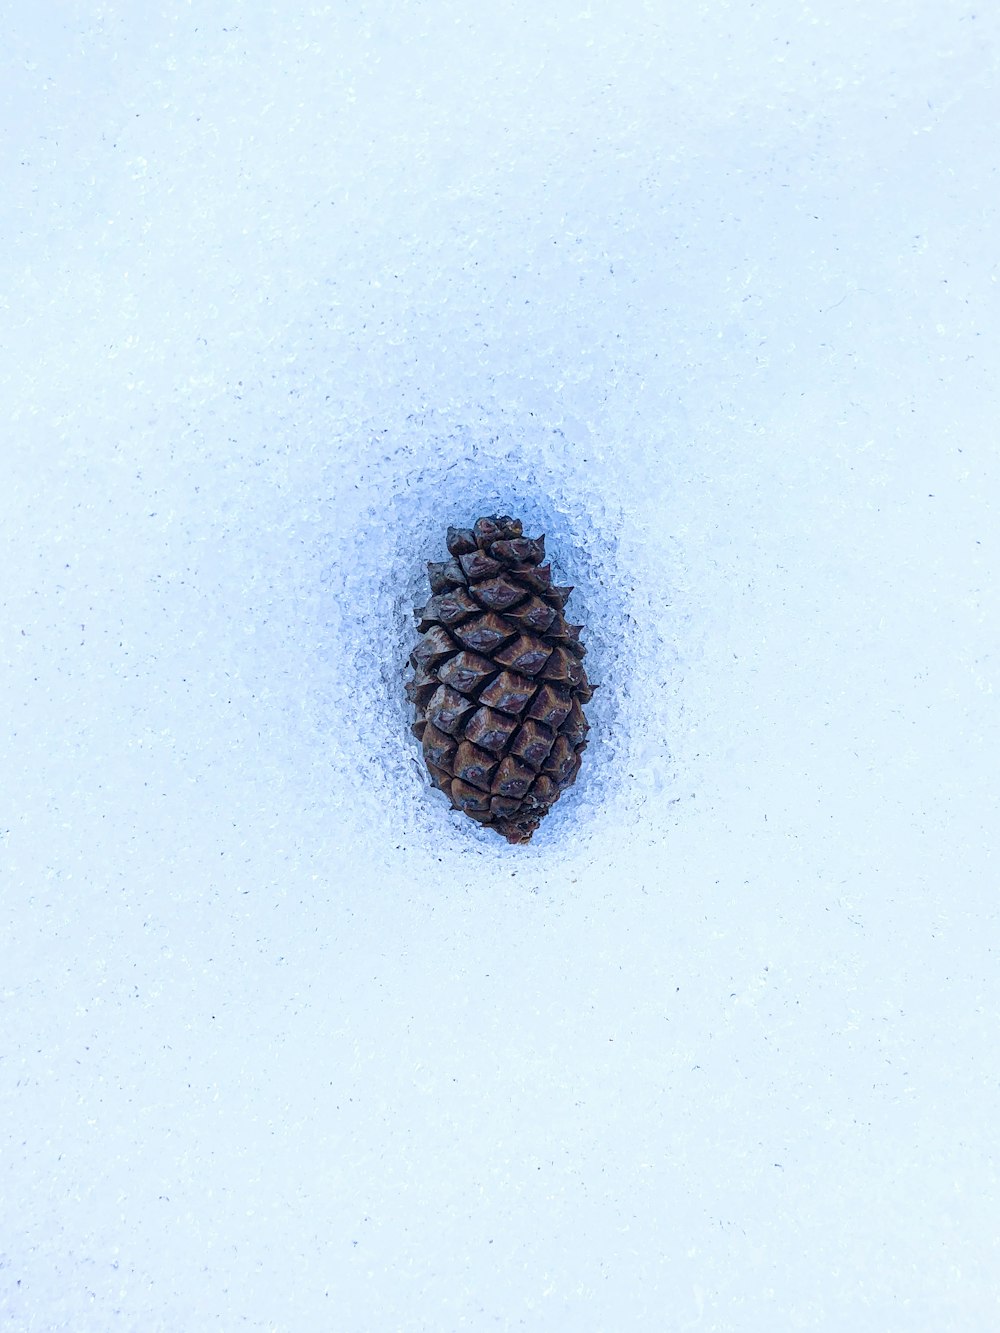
<point x="498" y="683"/>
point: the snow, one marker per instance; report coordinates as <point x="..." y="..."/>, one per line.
<point x="706" y="293"/>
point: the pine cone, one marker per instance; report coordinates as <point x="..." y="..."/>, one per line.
<point x="497" y="683"/>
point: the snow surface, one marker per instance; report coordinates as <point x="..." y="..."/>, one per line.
<point x="708" y="293"/>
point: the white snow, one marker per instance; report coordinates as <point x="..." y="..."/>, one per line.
<point x="708" y="294"/>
